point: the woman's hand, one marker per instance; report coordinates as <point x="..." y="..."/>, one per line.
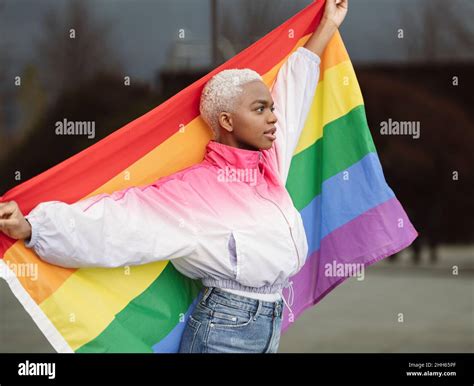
<point x="12" y="221"/>
<point x="335" y="11"/>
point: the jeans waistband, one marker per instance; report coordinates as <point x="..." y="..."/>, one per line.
<point x="232" y="284"/>
<point x="214" y="294"/>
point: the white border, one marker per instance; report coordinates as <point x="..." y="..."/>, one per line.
<point x="44" y="324"/>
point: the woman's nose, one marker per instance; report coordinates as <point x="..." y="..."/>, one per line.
<point x="273" y="118"/>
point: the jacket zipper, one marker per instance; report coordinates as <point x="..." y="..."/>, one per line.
<point x="298" y="262"/>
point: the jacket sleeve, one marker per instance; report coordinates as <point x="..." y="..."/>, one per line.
<point x="293" y="92"/>
<point x="133" y="226"/>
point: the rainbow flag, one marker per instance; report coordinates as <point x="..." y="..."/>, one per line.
<point x="350" y="214"/>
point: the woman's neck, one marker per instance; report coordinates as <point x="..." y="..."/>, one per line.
<point x="230" y="140"/>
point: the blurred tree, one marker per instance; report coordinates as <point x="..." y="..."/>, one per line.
<point x="102" y="99"/>
<point x="243" y="22"/>
<point x="439" y="29"/>
<point x="74" y="61"/>
<point x="6" y="91"/>
<point x="73" y="48"/>
<point x="32" y="100"/>
<point x="3" y="98"/>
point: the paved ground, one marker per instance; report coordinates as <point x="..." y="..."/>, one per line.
<point x="362" y="316"/>
<point x="358" y="316"/>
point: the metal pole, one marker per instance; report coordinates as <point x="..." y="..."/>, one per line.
<point x="214" y="32"/>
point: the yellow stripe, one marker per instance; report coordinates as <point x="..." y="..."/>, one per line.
<point x="77" y="310"/>
<point x="340" y="92"/>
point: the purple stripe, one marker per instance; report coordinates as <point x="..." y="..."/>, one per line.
<point x="370" y="237"/>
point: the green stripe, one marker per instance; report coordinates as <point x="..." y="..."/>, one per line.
<point x="149" y="317"/>
<point x="345" y="141"/>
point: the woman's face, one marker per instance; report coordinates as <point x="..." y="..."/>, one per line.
<point x="252" y="125"/>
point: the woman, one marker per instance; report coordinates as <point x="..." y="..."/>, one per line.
<point x="228" y="220"/>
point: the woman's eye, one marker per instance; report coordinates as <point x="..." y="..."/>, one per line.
<point x="263" y="107"/>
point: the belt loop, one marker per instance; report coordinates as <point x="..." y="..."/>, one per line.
<point x="207" y="293"/>
<point x="258" y="309"/>
<point x="278" y="308"/>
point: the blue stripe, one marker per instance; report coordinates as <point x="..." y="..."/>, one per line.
<point x="347" y="195"/>
<point x="170" y="343"/>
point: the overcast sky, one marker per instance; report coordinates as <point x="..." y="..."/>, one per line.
<point x="144" y="30"/>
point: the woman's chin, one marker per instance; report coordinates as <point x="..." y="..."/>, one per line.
<point x="266" y="145"/>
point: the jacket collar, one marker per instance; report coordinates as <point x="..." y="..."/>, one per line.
<point x="228" y="156"/>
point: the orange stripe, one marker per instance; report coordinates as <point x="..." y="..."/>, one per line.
<point x="50" y="276"/>
<point x="334" y="54"/>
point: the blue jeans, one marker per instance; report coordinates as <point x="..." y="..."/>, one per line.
<point x="223" y="322"/>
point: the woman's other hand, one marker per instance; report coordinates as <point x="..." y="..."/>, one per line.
<point x="12" y="221"/>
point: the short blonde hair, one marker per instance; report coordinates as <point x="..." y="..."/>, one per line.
<point x="221" y="93"/>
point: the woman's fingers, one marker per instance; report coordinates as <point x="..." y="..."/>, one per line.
<point x="7" y="209"/>
<point x="9" y="223"/>
<point x="11" y="220"/>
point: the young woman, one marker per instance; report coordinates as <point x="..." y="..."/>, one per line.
<point x="228" y="220"/>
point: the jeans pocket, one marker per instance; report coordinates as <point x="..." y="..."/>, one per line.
<point x="246" y="336"/>
<point x="225" y="316"/>
<point x="194" y="323"/>
<point x="189" y="337"/>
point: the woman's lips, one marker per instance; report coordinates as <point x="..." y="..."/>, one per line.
<point x="270" y="134"/>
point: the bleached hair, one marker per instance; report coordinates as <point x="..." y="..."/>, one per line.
<point x="221" y="93"/>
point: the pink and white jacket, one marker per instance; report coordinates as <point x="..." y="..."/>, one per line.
<point x="228" y="220"/>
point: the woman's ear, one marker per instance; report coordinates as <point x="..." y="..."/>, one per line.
<point x="225" y="121"/>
